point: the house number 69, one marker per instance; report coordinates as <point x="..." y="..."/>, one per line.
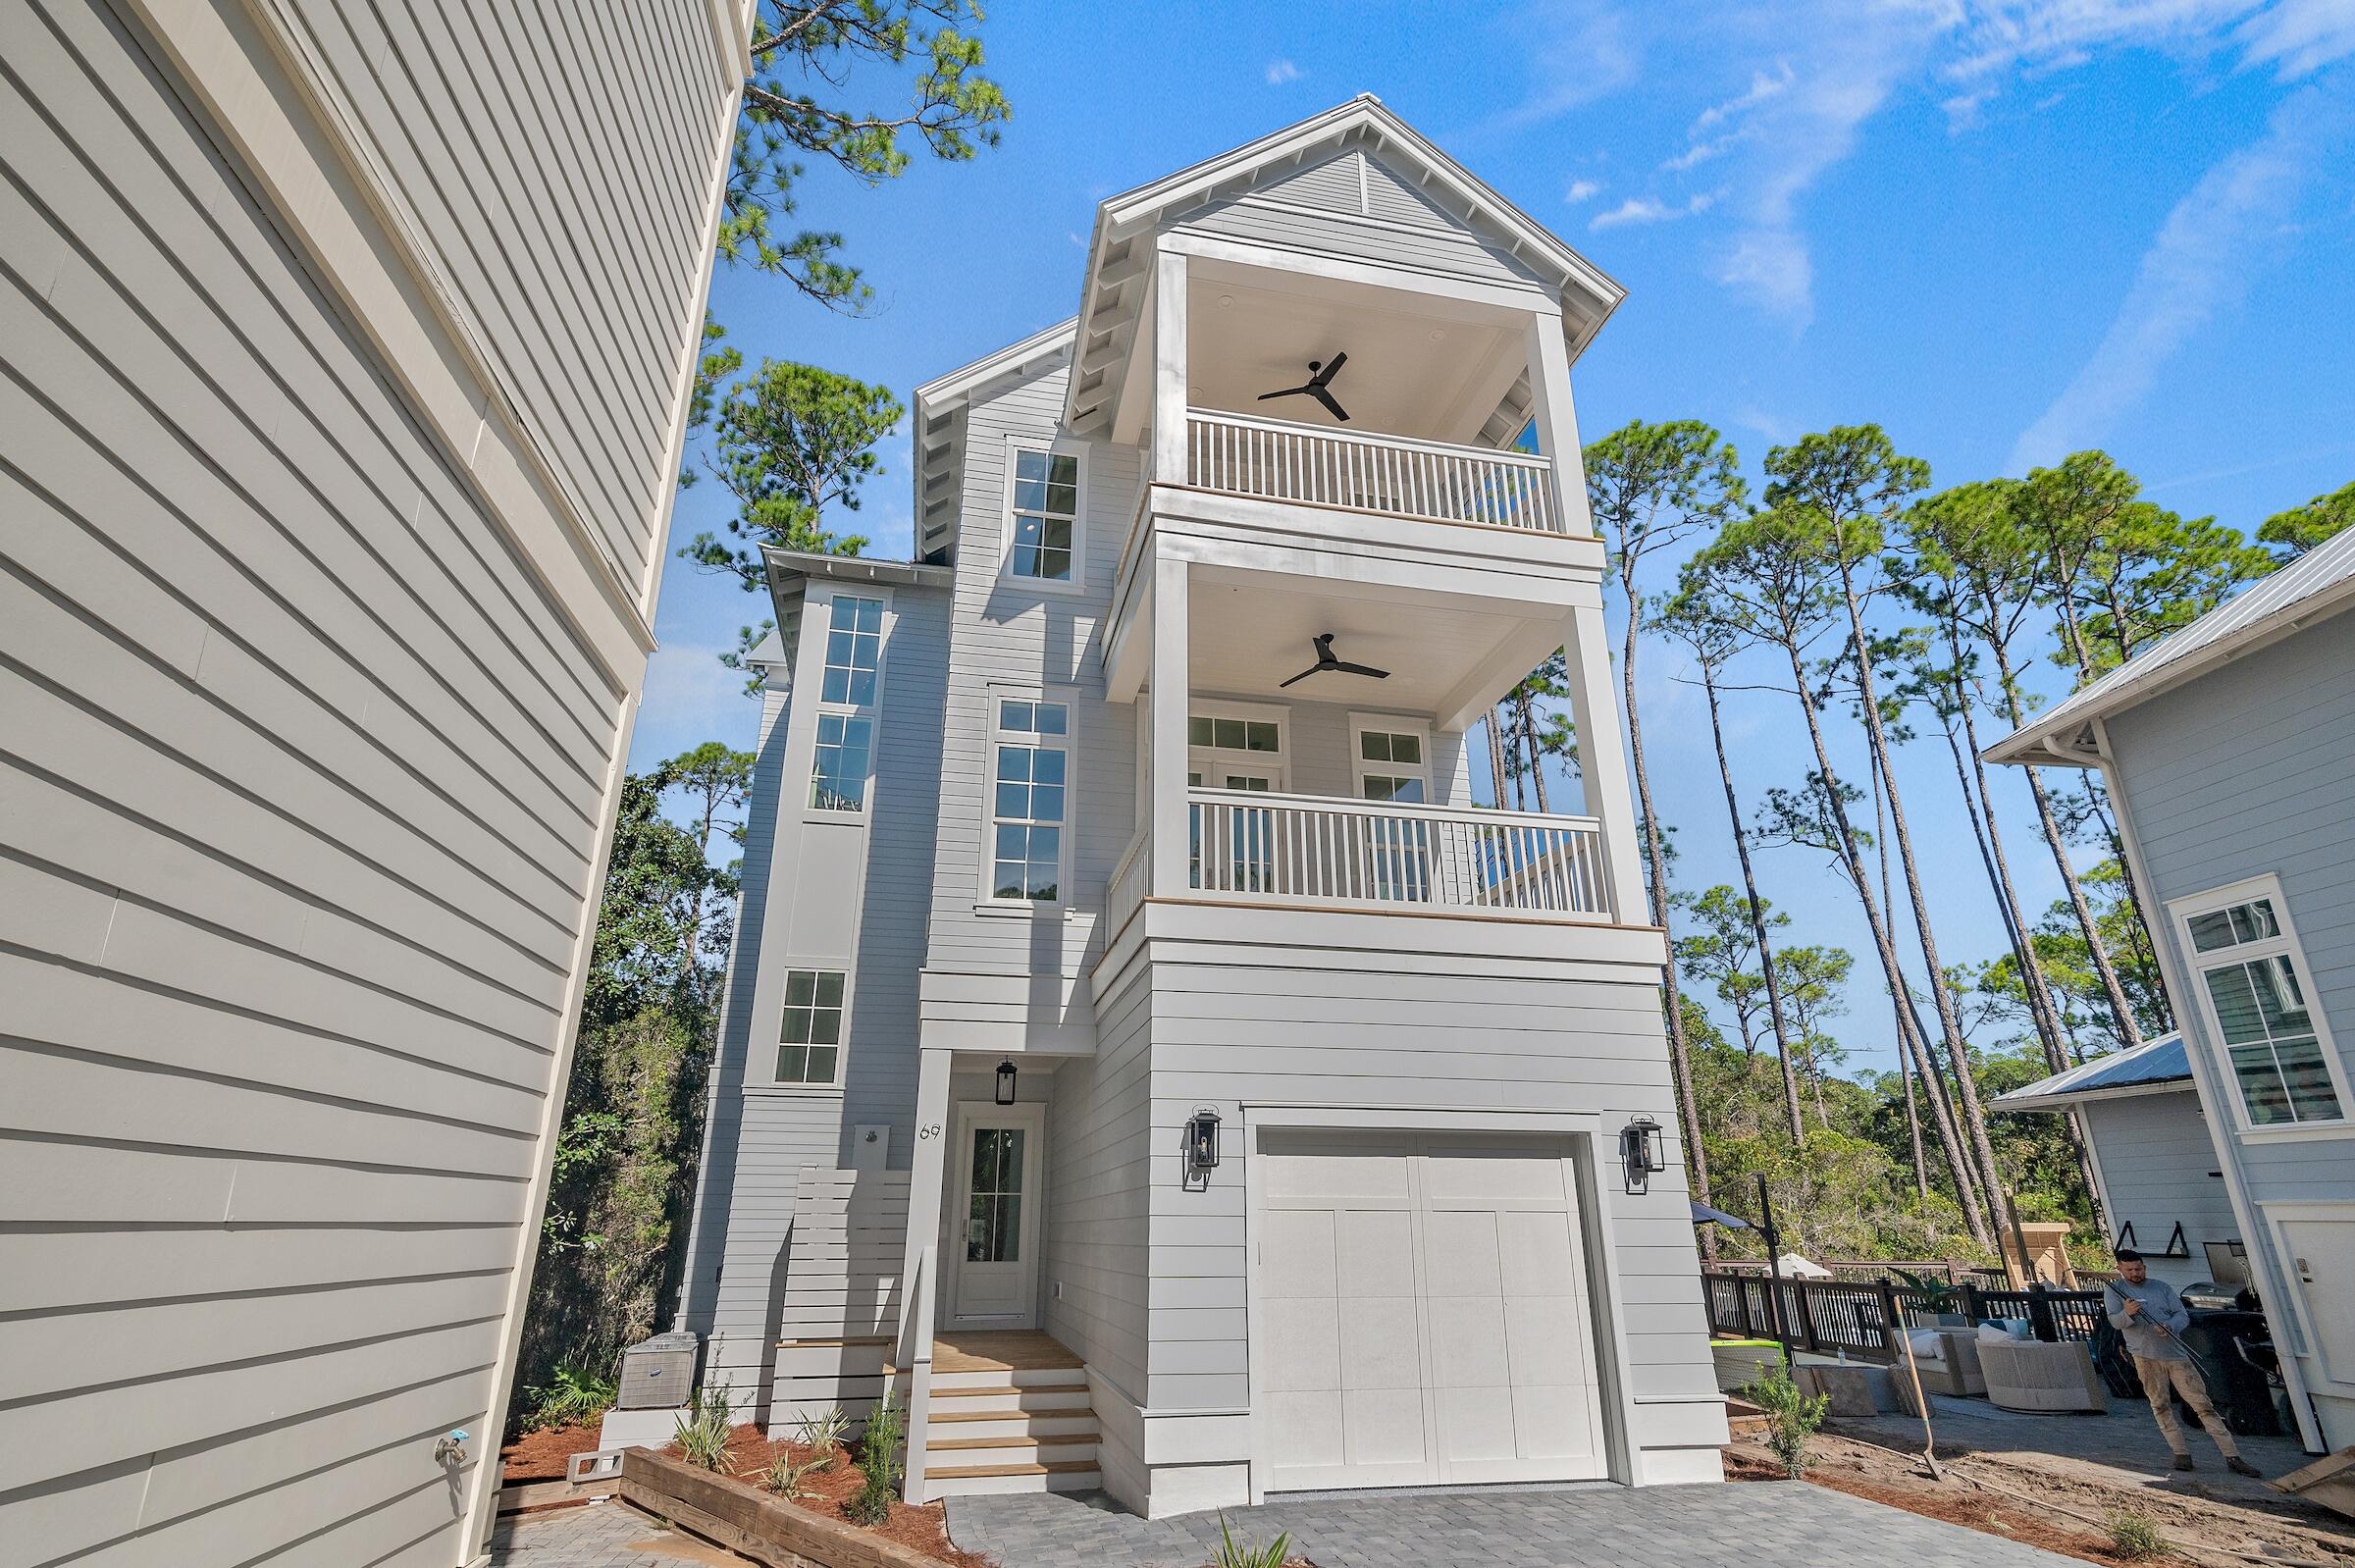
<point x="928" y="1130"/>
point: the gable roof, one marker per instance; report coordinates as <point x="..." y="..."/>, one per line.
<point x="2150" y="1067"/>
<point x="1113" y="292"/>
<point x="939" y="434"/>
<point x="2320" y="583"/>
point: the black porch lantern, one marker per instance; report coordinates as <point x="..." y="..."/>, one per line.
<point x="1006" y="1082"/>
<point x="1643" y="1150"/>
<point x="1201" y="1147"/>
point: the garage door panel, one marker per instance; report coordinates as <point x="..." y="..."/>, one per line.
<point x="1553" y="1422"/>
<point x="1384" y="1427"/>
<point x="1459" y="1175"/>
<point x="1539" y="1254"/>
<point x="1297" y="1254"/>
<point x="1381" y="1344"/>
<point x="1467" y="1337"/>
<point x="1305" y="1427"/>
<point x="1460" y="1246"/>
<point x="1317" y="1169"/>
<point x="1546" y="1342"/>
<point x="1376" y="1253"/>
<point x="1303" y="1345"/>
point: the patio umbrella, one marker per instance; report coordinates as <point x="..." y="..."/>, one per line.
<point x="1702" y="1213"/>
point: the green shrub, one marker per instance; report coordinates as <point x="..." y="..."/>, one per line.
<point x="1231" y="1556"/>
<point x="878" y="1464"/>
<point x="2135" y="1535"/>
<point x="784" y="1478"/>
<point x="571" y="1397"/>
<point x="1791" y="1418"/>
<point x="822" y="1435"/>
<point x="702" y="1437"/>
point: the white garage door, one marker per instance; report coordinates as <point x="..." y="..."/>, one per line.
<point x="1423" y="1312"/>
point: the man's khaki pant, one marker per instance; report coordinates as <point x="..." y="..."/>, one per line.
<point x="2160" y="1376"/>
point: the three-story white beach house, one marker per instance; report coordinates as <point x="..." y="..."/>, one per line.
<point x="1140" y="1051"/>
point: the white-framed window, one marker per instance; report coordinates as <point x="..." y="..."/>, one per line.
<point x="1236" y="746"/>
<point x="1046" y="533"/>
<point x="1030" y="798"/>
<point x="2257" y="995"/>
<point x="850" y="687"/>
<point x="1390" y="758"/>
<point x="812" y="1034"/>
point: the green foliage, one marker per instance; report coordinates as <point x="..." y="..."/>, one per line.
<point x="785" y="1476"/>
<point x="789" y="442"/>
<point x="1232" y="1554"/>
<point x="1791" y="1418"/>
<point x="803" y="55"/>
<point x="2135" y="1535"/>
<point x="2301" y="528"/>
<point x="702" y="1429"/>
<point x="1937" y="1294"/>
<point x="878" y="1464"/>
<point x="571" y="1397"/>
<point x="822" y="1433"/>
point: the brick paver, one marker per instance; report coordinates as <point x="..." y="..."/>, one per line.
<point x="1738" y="1525"/>
<point x="598" y="1535"/>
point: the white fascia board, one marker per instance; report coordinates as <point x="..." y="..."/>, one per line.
<point x="942" y="391"/>
<point x="2067" y="1099"/>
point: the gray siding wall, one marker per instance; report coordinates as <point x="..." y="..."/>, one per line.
<point x="2156" y="1157"/>
<point x="304" y="774"/>
<point x="2242" y="772"/>
<point x="1099" y="1127"/>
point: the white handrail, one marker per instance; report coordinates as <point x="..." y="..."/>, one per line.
<point x="1127" y="888"/>
<point x="1323" y="850"/>
<point x="1400" y="475"/>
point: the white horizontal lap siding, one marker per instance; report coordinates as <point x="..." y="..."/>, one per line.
<point x="2240" y="773"/>
<point x="2155" y="1160"/>
<point x="1099" y="1133"/>
<point x="1430" y="1033"/>
<point x="303" y="775"/>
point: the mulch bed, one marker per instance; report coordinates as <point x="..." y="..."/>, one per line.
<point x="923" y="1529"/>
<point x="540" y="1456"/>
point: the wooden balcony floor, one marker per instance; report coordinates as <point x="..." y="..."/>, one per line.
<point x="1000" y="1350"/>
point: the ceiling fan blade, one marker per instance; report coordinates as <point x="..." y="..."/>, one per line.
<point x="1330" y="407"/>
<point x="1288" y="391"/>
<point x="1304" y="674"/>
<point x="1347" y="668"/>
<point x="1323" y="378"/>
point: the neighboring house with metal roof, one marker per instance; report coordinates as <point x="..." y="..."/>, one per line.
<point x="2228" y="751"/>
<point x="2152" y="1162"/>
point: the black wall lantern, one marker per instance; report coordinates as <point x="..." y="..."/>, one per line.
<point x="1006" y="1082"/>
<point x="1641" y="1151"/>
<point x="1201" y="1148"/>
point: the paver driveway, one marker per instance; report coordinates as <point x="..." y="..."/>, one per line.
<point x="1745" y="1525"/>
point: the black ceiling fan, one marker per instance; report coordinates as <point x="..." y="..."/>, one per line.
<point x="1339" y="666"/>
<point x="1320" y="376"/>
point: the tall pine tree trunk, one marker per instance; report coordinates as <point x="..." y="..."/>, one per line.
<point x="1942" y="995"/>
<point x="1921" y="1178"/>
<point x="1909" y="1028"/>
<point x="1680" y="1051"/>
<point x="1757" y="913"/>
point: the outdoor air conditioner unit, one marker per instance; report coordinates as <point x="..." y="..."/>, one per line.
<point x="657" y="1373"/>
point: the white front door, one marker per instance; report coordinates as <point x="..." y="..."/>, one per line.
<point x="994" y="1228"/>
<point x="1425" y="1319"/>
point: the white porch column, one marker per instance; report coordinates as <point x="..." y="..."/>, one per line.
<point x="1168" y="368"/>
<point x="1602" y="762"/>
<point x="1165" y="790"/>
<point x="920" y="1282"/>
<point x="1557" y="422"/>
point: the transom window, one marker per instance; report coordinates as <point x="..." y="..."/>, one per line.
<point x="1235" y="750"/>
<point x="847" y="686"/>
<point x="2254" y="981"/>
<point x="810" y="1044"/>
<point x="1030" y="799"/>
<point x="1041" y="541"/>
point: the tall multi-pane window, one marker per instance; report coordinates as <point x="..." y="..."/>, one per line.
<point x="843" y="758"/>
<point x="810" y="1042"/>
<point x="1042" y="538"/>
<point x="2260" y="999"/>
<point x="1029" y="800"/>
<point x="1391" y="767"/>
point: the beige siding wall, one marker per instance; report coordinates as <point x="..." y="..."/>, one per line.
<point x="312" y="698"/>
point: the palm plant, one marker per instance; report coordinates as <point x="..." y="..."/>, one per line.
<point x="704" y="1427"/>
<point x="1233" y="1555"/>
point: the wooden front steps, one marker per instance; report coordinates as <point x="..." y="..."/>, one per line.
<point x="1009" y="1412"/>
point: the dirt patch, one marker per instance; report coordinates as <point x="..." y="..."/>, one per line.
<point x="923" y="1529"/>
<point x="540" y="1456"/>
<point x="2039" y="1508"/>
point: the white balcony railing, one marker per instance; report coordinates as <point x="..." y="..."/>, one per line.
<point x="1392" y="474"/>
<point x="1320" y="850"/>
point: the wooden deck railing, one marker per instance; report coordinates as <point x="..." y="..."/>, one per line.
<point x="1322" y="850"/>
<point x="1854" y="1317"/>
<point x="1393" y="474"/>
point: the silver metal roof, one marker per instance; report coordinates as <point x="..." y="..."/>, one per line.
<point x="2152" y="1063"/>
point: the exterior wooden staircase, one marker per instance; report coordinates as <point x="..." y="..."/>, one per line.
<point x="1009" y="1412"/>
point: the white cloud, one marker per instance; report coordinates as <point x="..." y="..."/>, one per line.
<point x="1963" y="110"/>
<point x="2299" y="36"/>
<point x="1761" y="88"/>
<point x="1577" y="51"/>
<point x="1582" y="191"/>
<point x="1779" y="431"/>
<point x="1281" y="71"/>
<point x="2199" y="264"/>
<point x="1649" y="210"/>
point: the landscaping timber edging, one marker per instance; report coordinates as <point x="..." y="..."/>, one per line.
<point x="753" y="1523"/>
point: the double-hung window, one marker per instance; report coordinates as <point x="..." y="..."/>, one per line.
<point x="1391" y="763"/>
<point x="1042" y="522"/>
<point x="1030" y="799"/>
<point x="810" y="1041"/>
<point x="2259" y="995"/>
<point x="842" y="762"/>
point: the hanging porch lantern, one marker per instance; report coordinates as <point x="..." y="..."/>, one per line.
<point x="1006" y="1082"/>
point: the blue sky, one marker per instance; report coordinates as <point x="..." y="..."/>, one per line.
<point x="2004" y="232"/>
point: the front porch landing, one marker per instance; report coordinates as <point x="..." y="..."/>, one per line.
<point x="1000" y="1350"/>
<point x="1007" y="1410"/>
